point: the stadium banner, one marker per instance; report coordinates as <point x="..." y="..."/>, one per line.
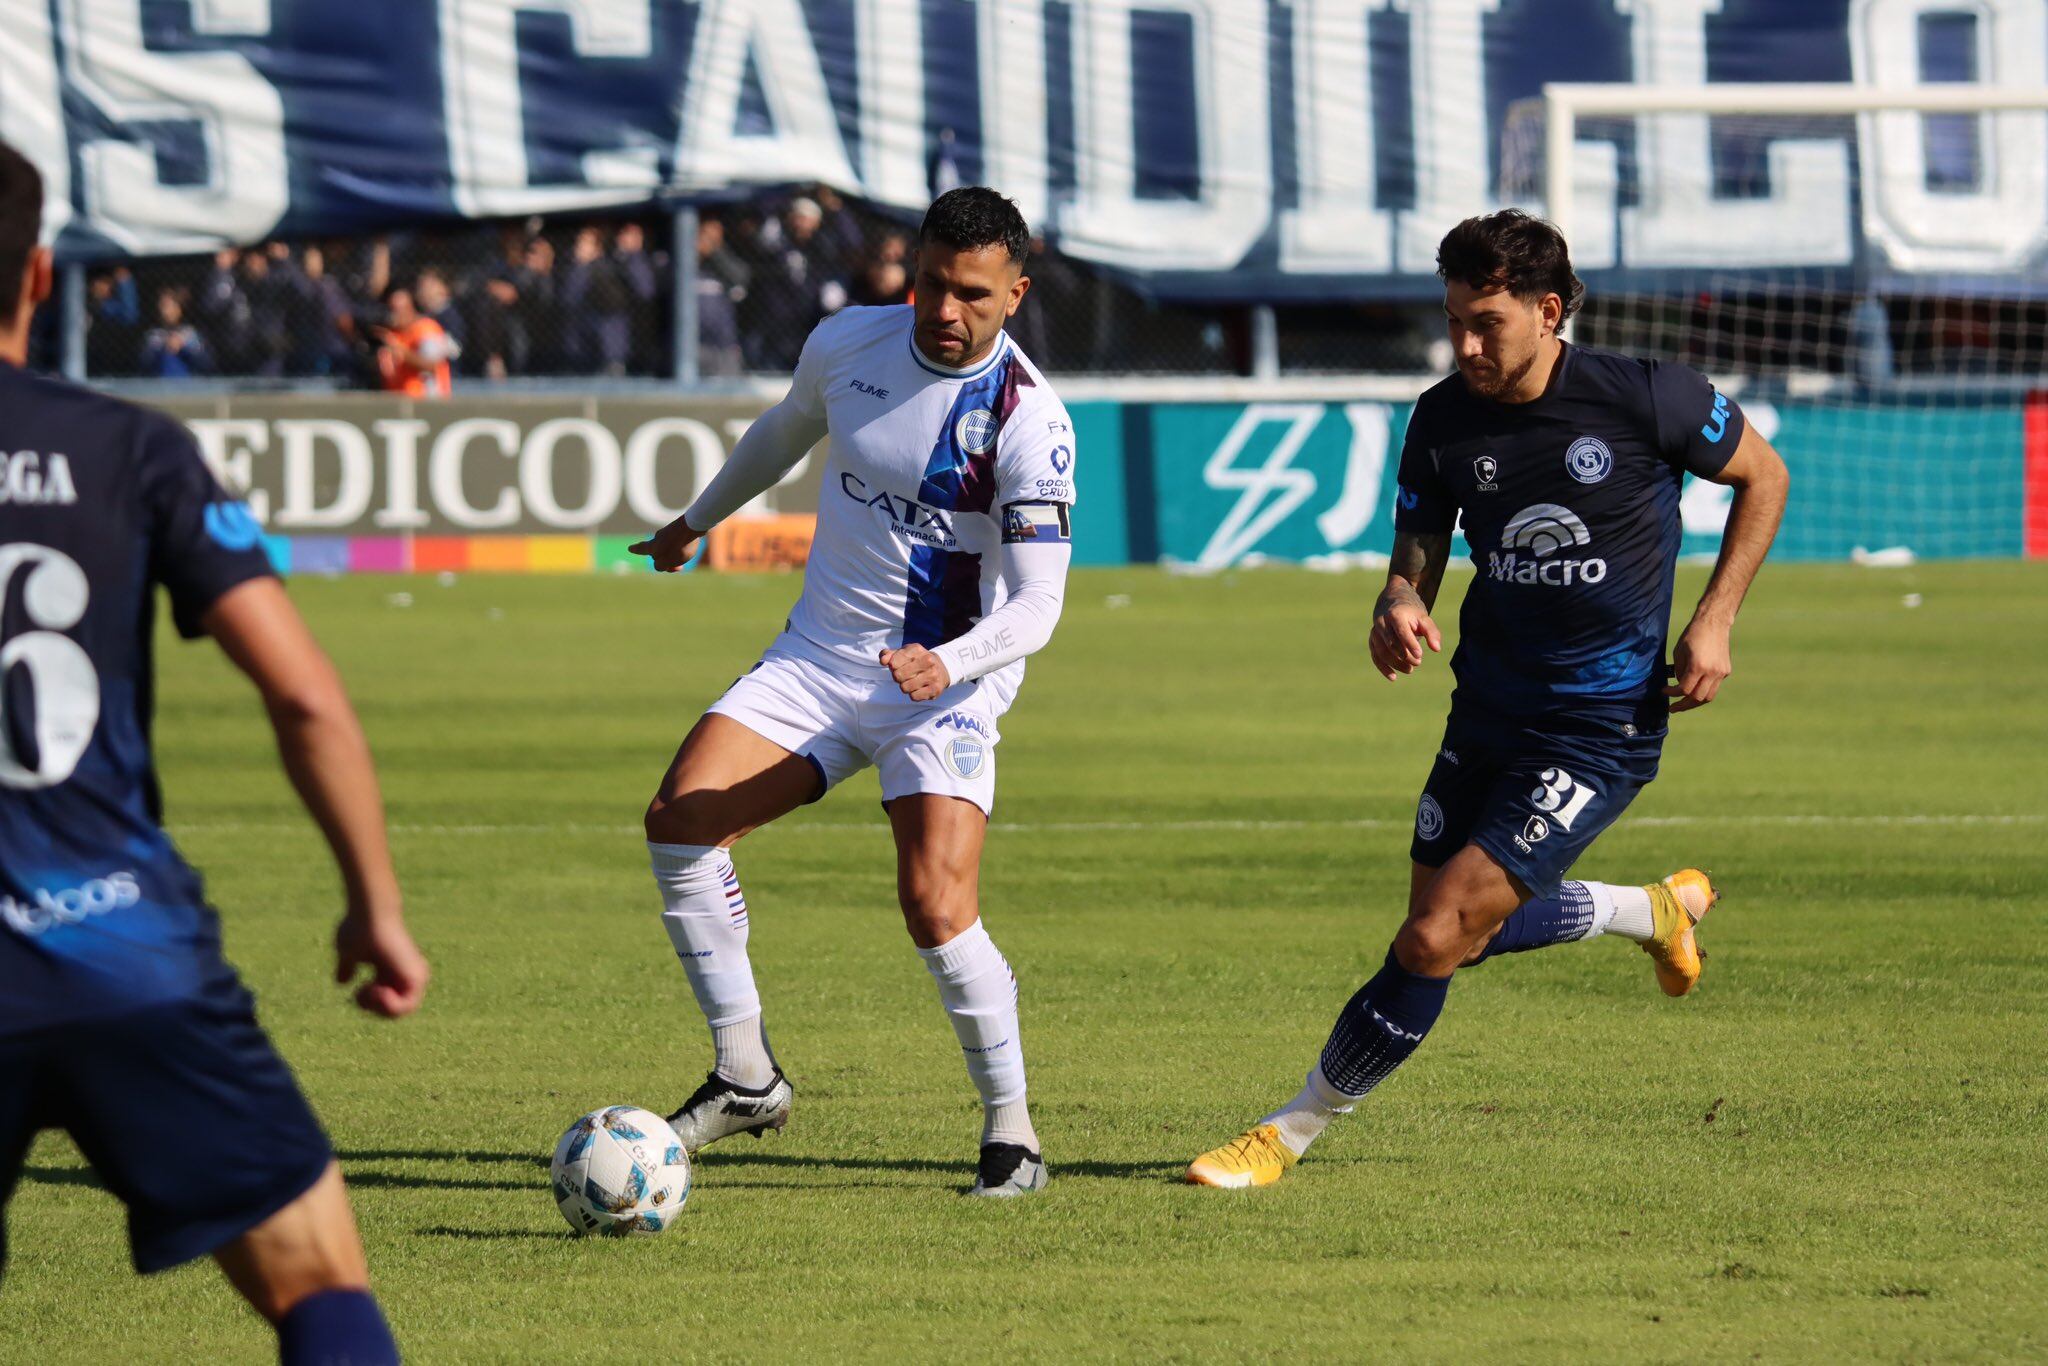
<point x="1314" y="482"/>
<point x="368" y="482"/>
<point x="357" y="483"/>
<point x="1210" y="148"/>
<point x="2037" y="477"/>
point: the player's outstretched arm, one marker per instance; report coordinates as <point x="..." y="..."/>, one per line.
<point x="1704" y="657"/>
<point x="1022" y="626"/>
<point x="767" y="450"/>
<point x="1401" y="623"/>
<point x="328" y="760"/>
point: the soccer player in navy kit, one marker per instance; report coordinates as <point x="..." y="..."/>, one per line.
<point x="120" y="1021"/>
<point x="1566" y="464"/>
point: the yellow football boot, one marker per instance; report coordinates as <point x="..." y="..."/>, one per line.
<point x="1255" y="1157"/>
<point x="1678" y="903"/>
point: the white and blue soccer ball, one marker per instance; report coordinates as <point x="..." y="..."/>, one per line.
<point x="619" y="1172"/>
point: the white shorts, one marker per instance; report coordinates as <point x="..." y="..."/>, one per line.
<point x="843" y="722"/>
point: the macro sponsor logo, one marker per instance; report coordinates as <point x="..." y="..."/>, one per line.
<point x="1484" y="469"/>
<point x="1531" y="542"/>
<point x="45" y="909"/>
<point x="30" y="479"/>
<point x="913" y="519"/>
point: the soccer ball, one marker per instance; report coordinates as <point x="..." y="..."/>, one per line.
<point x="620" y="1171"/>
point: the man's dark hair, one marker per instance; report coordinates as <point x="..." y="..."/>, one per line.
<point x="21" y="223"/>
<point x="973" y="217"/>
<point x="1515" y="251"/>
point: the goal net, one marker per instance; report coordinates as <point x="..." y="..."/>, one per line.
<point x="1865" y="271"/>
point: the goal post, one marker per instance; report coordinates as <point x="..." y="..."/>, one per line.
<point x="1565" y="104"/>
<point x="1864" y="269"/>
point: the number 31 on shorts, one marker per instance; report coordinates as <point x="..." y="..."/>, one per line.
<point x="1561" y="797"/>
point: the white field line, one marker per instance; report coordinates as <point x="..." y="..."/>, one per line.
<point x="1084" y="827"/>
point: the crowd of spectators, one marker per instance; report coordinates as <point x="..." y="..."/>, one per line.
<point x="505" y="300"/>
<point x="429" y="311"/>
<point x="566" y="298"/>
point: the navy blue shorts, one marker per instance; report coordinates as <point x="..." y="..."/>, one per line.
<point x="1531" y="792"/>
<point x="184" y="1110"/>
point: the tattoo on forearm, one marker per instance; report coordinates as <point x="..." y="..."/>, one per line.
<point x="1420" y="560"/>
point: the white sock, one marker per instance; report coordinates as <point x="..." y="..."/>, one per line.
<point x="1302" y="1120"/>
<point x="980" y="995"/>
<point x="743" y="1053"/>
<point x="705" y="915"/>
<point x="1626" y="911"/>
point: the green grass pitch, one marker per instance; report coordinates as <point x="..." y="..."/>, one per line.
<point x="1834" y="1149"/>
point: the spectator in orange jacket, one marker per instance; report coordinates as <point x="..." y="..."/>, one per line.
<point x="414" y="351"/>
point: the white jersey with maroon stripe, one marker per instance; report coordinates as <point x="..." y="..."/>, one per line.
<point x="923" y="461"/>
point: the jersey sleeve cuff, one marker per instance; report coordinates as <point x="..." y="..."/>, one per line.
<point x="189" y="608"/>
<point x="957" y="668"/>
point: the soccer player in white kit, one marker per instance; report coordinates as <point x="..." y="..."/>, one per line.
<point x="939" y="563"/>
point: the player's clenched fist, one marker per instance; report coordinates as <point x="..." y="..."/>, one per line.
<point x="920" y="673"/>
<point x="398" y="970"/>
<point x="1700" y="665"/>
<point x="1398" y="634"/>
<point x="670" y="548"/>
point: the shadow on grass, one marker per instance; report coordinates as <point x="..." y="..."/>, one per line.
<point x="438" y="1155"/>
<point x="729" y="1160"/>
<point x="421" y="1181"/>
<point x="369" y="1180"/>
<point x="494" y="1235"/>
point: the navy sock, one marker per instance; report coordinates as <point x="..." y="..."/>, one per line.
<point x="336" y="1328"/>
<point x="1380" y="1026"/>
<point x="1541" y="923"/>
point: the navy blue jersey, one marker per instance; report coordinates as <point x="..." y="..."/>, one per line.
<point x="1570" y="506"/>
<point x="100" y="503"/>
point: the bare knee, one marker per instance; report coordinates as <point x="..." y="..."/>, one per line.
<point x="1431" y="944"/>
<point x="699" y="816"/>
<point x="937" y="904"/>
<point x="1442" y="930"/>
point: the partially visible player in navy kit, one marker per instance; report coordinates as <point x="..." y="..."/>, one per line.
<point x="120" y="1021"/>
<point x="1566" y="464"/>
